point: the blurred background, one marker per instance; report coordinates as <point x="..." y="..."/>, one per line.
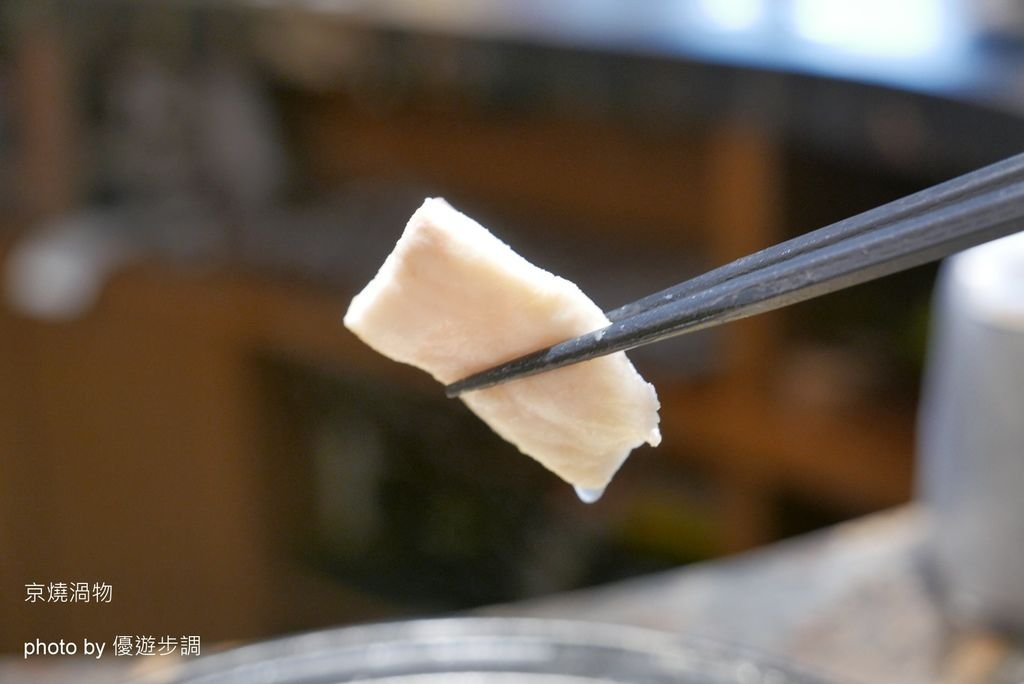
<point x="191" y="192"/>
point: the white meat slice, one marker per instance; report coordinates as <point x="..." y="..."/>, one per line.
<point x="453" y="299"/>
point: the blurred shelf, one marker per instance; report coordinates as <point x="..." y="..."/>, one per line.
<point x="860" y="459"/>
<point x="159" y="388"/>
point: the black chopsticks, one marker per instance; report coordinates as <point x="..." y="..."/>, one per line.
<point x="980" y="206"/>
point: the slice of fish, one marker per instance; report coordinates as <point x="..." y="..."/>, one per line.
<point x="453" y="299"/>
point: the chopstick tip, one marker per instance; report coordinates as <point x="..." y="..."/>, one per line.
<point x="453" y="390"/>
<point x="470" y="383"/>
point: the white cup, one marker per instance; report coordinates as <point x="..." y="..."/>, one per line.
<point x="971" y="435"/>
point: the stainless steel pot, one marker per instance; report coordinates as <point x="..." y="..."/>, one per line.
<point x="484" y="651"/>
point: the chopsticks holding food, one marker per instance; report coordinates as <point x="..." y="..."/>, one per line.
<point x="978" y="207"/>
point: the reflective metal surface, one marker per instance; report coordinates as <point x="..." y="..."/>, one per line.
<point x="482" y="651"/>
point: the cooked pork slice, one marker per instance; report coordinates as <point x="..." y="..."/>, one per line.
<point x="453" y="299"/>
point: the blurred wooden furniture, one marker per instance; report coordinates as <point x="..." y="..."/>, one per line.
<point x="133" y="442"/>
<point x="133" y="450"/>
<point x="134" y="446"/>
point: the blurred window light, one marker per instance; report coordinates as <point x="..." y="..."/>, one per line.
<point x="882" y="28"/>
<point x="732" y="15"/>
